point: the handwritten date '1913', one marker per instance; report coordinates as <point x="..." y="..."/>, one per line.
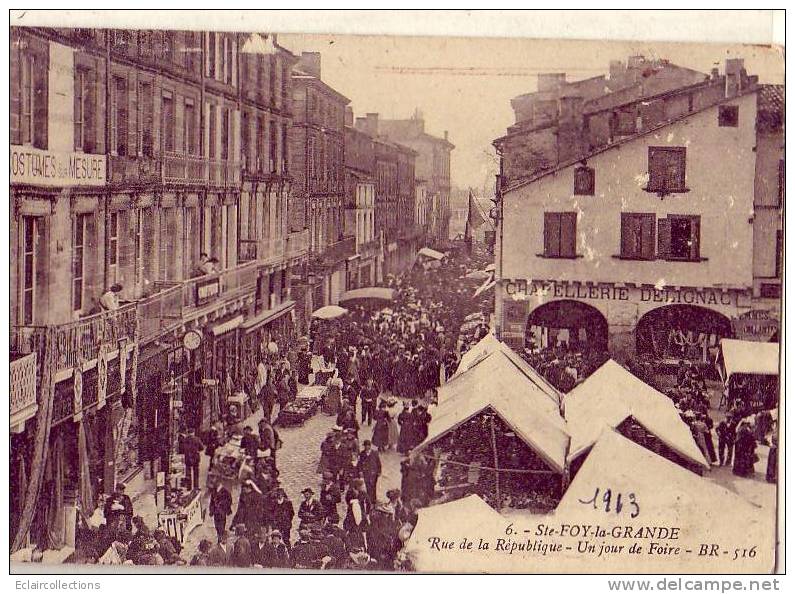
<point x="613" y="502"/>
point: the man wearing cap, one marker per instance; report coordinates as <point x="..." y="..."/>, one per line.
<point x="281" y="515"/>
<point x="330" y="496"/>
<point x="118" y="505"/>
<point x="274" y="553"/>
<point x="306" y="553"/>
<point x="220" y="507"/>
<point x="191" y="447"/>
<point x="310" y="511"/>
<point x="369" y="466"/>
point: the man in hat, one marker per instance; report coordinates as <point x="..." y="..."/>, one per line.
<point x="118" y="505"/>
<point x="242" y="551"/>
<point x="281" y="515"/>
<point x="249" y="442"/>
<point x="220" y="507"/>
<point x="310" y="511"/>
<point x="369" y="397"/>
<point x="219" y="555"/>
<point x="306" y="553"/>
<point x="330" y="496"/>
<point x="275" y="553"/>
<point x="191" y="447"/>
<point x="369" y="465"/>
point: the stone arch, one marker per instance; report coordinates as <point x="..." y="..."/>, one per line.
<point x="584" y="324"/>
<point x="682" y="332"/>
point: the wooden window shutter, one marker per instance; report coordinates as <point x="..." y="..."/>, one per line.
<point x="663" y="238"/>
<point x="40" y="108"/>
<point x="568" y="234"/>
<point x="15" y="76"/>
<point x="551" y="233"/>
<point x="132" y="116"/>
<point x="127" y="224"/>
<point x="656" y="168"/>
<point x="79" y="124"/>
<point x="695" y="238"/>
<point x="647" y="236"/>
<point x="90" y="123"/>
<point x="91" y="258"/>
<point x="123" y="127"/>
<point x="627" y="222"/>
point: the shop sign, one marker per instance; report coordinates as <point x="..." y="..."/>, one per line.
<point x="50" y="168"/>
<point x="520" y="288"/>
<point x="756" y="325"/>
<point x="207" y="290"/>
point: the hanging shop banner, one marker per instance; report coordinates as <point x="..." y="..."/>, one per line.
<point x="102" y="375"/>
<point x="78" y="394"/>
<point x="123" y="366"/>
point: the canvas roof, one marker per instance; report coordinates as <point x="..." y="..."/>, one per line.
<point x="611" y="395"/>
<point x="745" y="356"/>
<point x="498" y="384"/>
<point x="488" y="345"/>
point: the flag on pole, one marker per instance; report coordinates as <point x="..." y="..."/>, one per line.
<point x="474" y="217"/>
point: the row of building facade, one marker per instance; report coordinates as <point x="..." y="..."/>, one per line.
<point x="642" y="212"/>
<point x="135" y="157"/>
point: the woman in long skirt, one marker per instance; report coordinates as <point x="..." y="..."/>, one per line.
<point x="381" y="429"/>
<point x="394" y="428"/>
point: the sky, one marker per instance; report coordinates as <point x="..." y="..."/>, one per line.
<point x="464" y="85"/>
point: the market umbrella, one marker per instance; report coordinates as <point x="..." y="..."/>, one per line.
<point x="378" y="293"/>
<point x="329" y="312"/>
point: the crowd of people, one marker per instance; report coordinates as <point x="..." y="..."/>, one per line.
<point x="562" y="367"/>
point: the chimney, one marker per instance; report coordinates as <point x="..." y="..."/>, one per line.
<point x="714" y="73"/>
<point x="634" y="62"/>
<point x="348" y="115"/>
<point x="310" y="63"/>
<point x="617" y="69"/>
<point x="734" y="76"/>
<point x="445" y="134"/>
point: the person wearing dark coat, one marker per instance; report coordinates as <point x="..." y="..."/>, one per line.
<point x="250" y="507"/>
<point x="369" y="465"/>
<point x="220" y="508"/>
<point x="275" y="554"/>
<point x="330" y="496"/>
<point x="281" y="516"/>
<point x="191" y="447"/>
<point x="406" y="422"/>
<point x="744" y="451"/>
<point x="358" y="510"/>
<point x="306" y="553"/>
<point x="242" y="551"/>
<point x="310" y="511"/>
<point x="369" y="397"/>
<point x="119" y="505"/>
<point x="771" y="474"/>
<point x="381" y="430"/>
<point x="249" y="442"/>
<point x="422" y="419"/>
<point x="382" y="536"/>
<point x="726" y="434"/>
<point x="220" y="553"/>
<point x="334" y="542"/>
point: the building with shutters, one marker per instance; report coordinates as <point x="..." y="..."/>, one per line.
<point x="648" y="245"/>
<point x="133" y="154"/>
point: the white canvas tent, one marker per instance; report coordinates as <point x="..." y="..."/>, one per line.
<point x="487" y="346"/>
<point x="497" y="383"/>
<point x="745" y="356"/>
<point x="667" y="496"/>
<point x="611" y="395"/>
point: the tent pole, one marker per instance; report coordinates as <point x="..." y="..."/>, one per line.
<point x="496" y="466"/>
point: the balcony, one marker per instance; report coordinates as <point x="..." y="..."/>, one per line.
<point x="296" y="244"/>
<point x="246" y="250"/>
<point x="175" y="301"/>
<point x="79" y="341"/>
<point x="23" y="390"/>
<point x="339" y="251"/>
<point x="134" y="170"/>
<point x="184" y="169"/>
<point x="224" y="174"/>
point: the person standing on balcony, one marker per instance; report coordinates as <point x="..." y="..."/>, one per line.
<point x="110" y="298"/>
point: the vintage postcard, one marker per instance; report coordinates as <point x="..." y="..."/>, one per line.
<point x="298" y="302"/>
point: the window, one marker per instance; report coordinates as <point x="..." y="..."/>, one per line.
<point x="273" y="152"/>
<point x="728" y="116"/>
<point x="33" y="100"/>
<point x="666" y="169"/>
<point x="119" y="116"/>
<point x="285" y="149"/>
<point x="584" y="181"/>
<point x="79" y="241"/>
<point x="168" y="123"/>
<point x="28" y="98"/>
<point x="31" y="238"/>
<point x="211" y="134"/>
<point x="168" y="242"/>
<point x="260" y="144"/>
<point x="244" y="140"/>
<point x="211" y="55"/>
<point x="145" y="119"/>
<point x="638" y="235"/>
<point x="560" y="234"/>
<point x="679" y="237"/>
<point x="225" y="134"/>
<point x="113" y="246"/>
<point x="83" y="112"/>
<point x="229" y="61"/>
<point x="272" y="81"/>
<point x="190" y="127"/>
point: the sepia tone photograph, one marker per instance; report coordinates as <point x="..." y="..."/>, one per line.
<point x="287" y="301"/>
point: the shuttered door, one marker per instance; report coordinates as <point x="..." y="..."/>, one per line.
<point x="663" y="239"/>
<point x="647" y="236"/>
<point x="568" y="234"/>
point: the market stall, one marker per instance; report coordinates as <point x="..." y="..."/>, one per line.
<point x="303" y="407"/>
<point x="749" y="371"/>
<point x="228" y="458"/>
